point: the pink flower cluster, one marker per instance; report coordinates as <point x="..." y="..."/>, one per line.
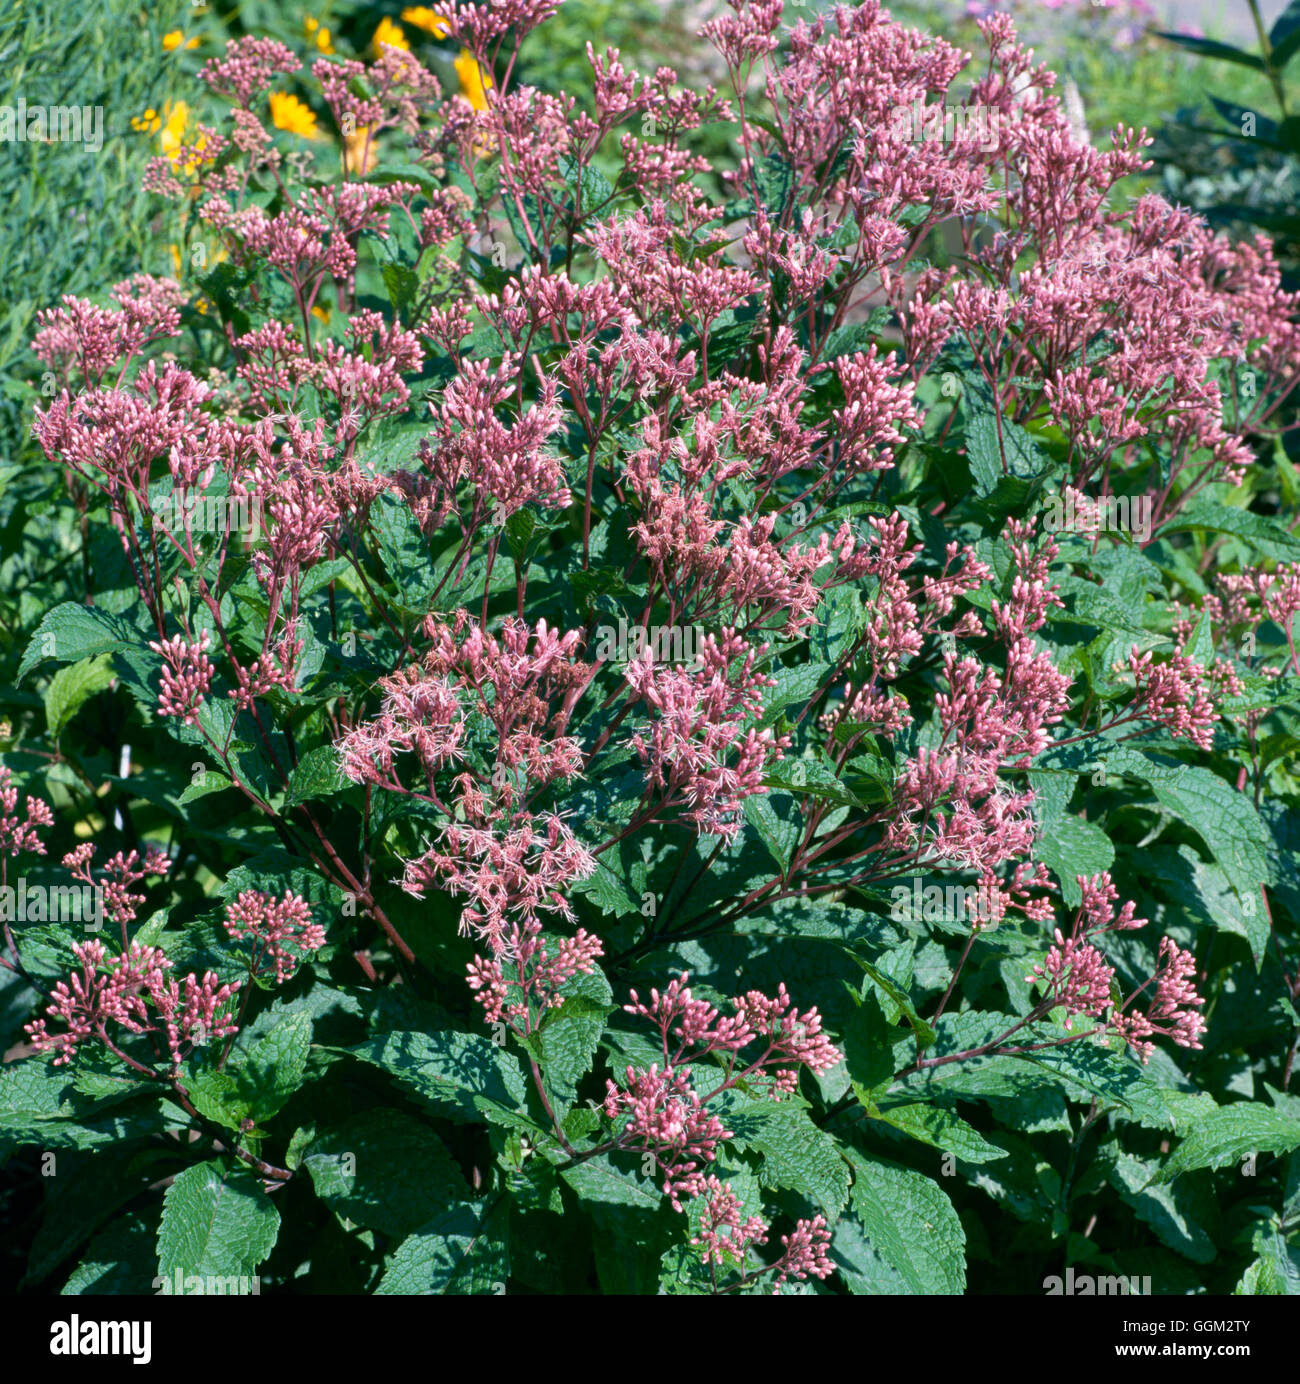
<point x="186" y="676"/>
<point x="281" y="931"/>
<point x="20" y="834"/>
<point x="538" y="977"/>
<point x="1077" y="977"/>
<point x="666" y="1116"/>
<point x="133" y="992"/>
<point x="697" y="749"/>
<point x="122" y="872"/>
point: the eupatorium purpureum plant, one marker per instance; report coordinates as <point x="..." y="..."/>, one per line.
<point x="546" y="660"/>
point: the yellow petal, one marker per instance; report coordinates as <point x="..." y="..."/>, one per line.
<point x="390" y="34"/>
<point x="291" y="114"/>
<point x="429" y="20"/>
<point x="473" y="81"/>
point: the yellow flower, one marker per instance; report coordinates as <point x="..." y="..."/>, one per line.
<point x="289" y="113"/>
<point x="175" y="39"/>
<point x="176" y="260"/>
<point x="320" y="36"/>
<point x="391" y="34"/>
<point x="173" y="137"/>
<point x="473" y="81"/>
<point x="170" y="128"/>
<point x="428" y="20"/>
<point x="359" y="153"/>
<point x="322" y="313"/>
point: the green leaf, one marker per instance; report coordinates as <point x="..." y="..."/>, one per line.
<point x="317" y="775"/>
<point x="941" y="1129"/>
<point x="1209" y="48"/>
<point x="216" y="1095"/>
<point x="924" y="1032"/>
<point x="122" y="1260"/>
<point x="70" y="689"/>
<point x="1228" y="824"/>
<point x="570" y="1034"/>
<point x="1166" y="1210"/>
<point x="39" y="1102"/>
<point x="1284" y="26"/>
<point x="402" y="285"/>
<point x="778" y="823"/>
<point x="216" y="1222"/>
<point x="599" y="1179"/>
<point x="70" y="633"/>
<point x="589" y="188"/>
<point x="796" y="1154"/>
<point x="984" y="451"/>
<point x="459" y="1252"/>
<point x="1276" y="1273"/>
<point x="903" y="1235"/>
<point x="385" y="1170"/>
<point x="210" y="782"/>
<point x="793" y="687"/>
<point x="607" y="889"/>
<point x="1074" y="847"/>
<point x="868" y="1049"/>
<point x="463" y="1076"/>
<point x="404" y="551"/>
<point x="1229" y="1134"/>
<point x="1267" y="535"/>
<point x="80" y="1199"/>
<point x="273" y="1069"/>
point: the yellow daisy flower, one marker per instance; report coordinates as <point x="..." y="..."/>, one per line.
<point x="428" y="20"/>
<point x="360" y="153"/>
<point x="172" y="138"/>
<point x="289" y="113"/>
<point x="474" y="82"/>
<point x="172" y="41"/>
<point x="319" y="35"/>
<point x="170" y="125"/>
<point x="391" y="34"/>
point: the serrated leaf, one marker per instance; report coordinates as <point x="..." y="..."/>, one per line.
<point x="902" y="1235"/>
<point x="941" y="1129"/>
<point x="570" y="1034"/>
<point x="1229" y="1134"/>
<point x="70" y="688"/>
<point x="1073" y="847"/>
<point x="385" y="1170"/>
<point x="70" y="633"/>
<point x="868" y="1049"/>
<point x="1164" y="1209"/>
<point x="273" y="1068"/>
<point x="215" y="1221"/>
<point x="1267" y="535"/>
<point x="316" y="775"/>
<point x="462" y="1075"/>
<point x="796" y="1154"/>
<point x="461" y="1251"/>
